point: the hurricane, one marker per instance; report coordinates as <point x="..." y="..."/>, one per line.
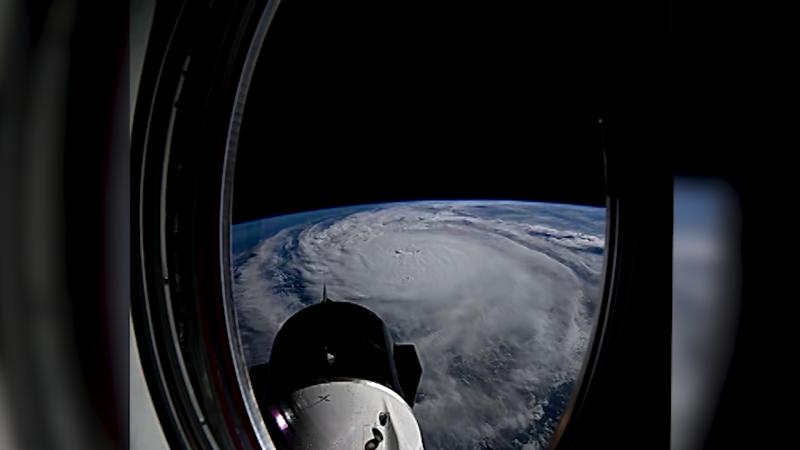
<point x="497" y="297"/>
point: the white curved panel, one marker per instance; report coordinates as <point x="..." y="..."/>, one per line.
<point x="346" y="415"/>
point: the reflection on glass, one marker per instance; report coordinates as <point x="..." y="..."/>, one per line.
<point x="706" y="277"/>
<point x="498" y="297"/>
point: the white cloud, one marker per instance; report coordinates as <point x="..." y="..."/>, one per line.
<point x="494" y="307"/>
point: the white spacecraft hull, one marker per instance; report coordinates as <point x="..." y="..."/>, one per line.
<point x="347" y="415"/>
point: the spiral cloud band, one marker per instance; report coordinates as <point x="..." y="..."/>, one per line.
<point x="497" y="297"/>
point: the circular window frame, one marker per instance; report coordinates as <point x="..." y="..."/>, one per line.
<point x="182" y="309"/>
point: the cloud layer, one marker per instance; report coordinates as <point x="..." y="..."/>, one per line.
<point x="497" y="297"/>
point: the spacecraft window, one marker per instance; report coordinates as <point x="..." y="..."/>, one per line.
<point x="498" y="293"/>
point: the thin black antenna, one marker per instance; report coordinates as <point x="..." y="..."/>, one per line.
<point x="324" y="293"/>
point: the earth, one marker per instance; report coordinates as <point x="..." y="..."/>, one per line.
<point x="497" y="296"/>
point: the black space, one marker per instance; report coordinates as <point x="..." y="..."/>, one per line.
<point x="369" y="102"/>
